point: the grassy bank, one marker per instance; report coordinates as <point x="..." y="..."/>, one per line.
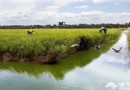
<point x="48" y="46"/>
<point x="129" y="40"/>
<point x="79" y="59"/>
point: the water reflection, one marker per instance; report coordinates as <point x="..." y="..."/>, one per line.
<point x="109" y="67"/>
<point x="88" y="70"/>
<point x="77" y="72"/>
<point x="113" y="65"/>
<point x="80" y="59"/>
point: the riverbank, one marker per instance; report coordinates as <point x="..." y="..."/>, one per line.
<point x="58" y="71"/>
<point x="49" y="46"/>
<point x="129" y="40"/>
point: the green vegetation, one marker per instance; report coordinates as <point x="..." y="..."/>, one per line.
<point x="61" y="25"/>
<point x="48" y="46"/>
<point x="129" y="40"/>
<point x="59" y="70"/>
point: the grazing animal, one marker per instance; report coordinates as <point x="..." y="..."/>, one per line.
<point x="97" y="47"/>
<point x="117" y="51"/>
<point x="30" y="32"/>
<point x="103" y="29"/>
<point x="75" y="45"/>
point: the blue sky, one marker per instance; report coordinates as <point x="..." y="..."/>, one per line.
<point x="26" y="12"/>
<point x="112" y="7"/>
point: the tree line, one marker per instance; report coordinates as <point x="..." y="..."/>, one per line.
<point x="64" y="25"/>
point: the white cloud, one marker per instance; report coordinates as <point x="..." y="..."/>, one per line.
<point x="56" y="4"/>
<point x="112" y="1"/>
<point x="116" y="3"/>
<point x="98" y="1"/>
<point x="82" y="7"/>
<point x="17" y="4"/>
<point x="48" y="5"/>
<point x="38" y="17"/>
<point x="47" y="12"/>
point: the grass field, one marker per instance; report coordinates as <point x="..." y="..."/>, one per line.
<point x="129" y="40"/>
<point x="48" y="46"/>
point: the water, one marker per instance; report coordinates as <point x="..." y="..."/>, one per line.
<point x="89" y="70"/>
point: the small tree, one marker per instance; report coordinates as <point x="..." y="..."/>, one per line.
<point x="61" y="23"/>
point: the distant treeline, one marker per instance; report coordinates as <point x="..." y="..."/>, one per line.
<point x="65" y="26"/>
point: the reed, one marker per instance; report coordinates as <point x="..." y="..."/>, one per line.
<point x="129" y="40"/>
<point x="50" y="45"/>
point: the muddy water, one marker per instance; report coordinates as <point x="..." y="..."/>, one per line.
<point x="89" y="70"/>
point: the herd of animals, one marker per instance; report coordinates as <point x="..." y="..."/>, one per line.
<point x="97" y="47"/>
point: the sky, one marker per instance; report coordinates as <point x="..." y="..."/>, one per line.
<point x="42" y="12"/>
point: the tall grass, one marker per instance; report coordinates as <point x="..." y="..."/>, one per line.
<point x="47" y="46"/>
<point x="129" y="40"/>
